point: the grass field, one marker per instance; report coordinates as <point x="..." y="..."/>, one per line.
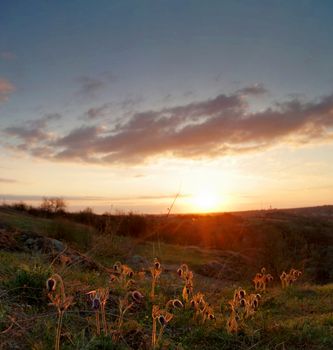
<point x="299" y="317"/>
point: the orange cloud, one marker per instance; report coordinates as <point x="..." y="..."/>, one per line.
<point x="210" y="128"/>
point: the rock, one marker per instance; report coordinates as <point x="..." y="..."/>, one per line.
<point x="212" y="269"/>
<point x="57" y="245"/>
<point x="7" y="240"/>
<point x="137" y="262"/>
<point x="230" y="266"/>
<point x="33" y="242"/>
<point x="30" y="242"/>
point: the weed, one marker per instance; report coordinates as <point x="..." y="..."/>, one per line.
<point x="27" y="284"/>
<point x="56" y="293"/>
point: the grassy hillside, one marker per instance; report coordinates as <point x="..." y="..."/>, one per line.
<point x="299" y="317"/>
<point x="279" y="239"/>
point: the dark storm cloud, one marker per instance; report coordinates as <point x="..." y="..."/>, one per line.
<point x="210" y="128"/>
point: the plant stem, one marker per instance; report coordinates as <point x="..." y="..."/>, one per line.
<point x="57" y="342"/>
<point x="153" y="338"/>
<point x="152" y="294"/>
<point x="160" y="335"/>
<point x="98" y="326"/>
<point x="105" y="327"/>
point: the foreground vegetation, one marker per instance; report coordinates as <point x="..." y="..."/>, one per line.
<point x="277" y="239"/>
<point x="297" y="317"/>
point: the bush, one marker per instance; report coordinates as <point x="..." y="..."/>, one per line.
<point x="21" y="206"/>
<point x="70" y="232"/>
<point x="28" y="284"/>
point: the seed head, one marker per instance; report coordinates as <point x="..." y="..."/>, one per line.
<point x="269" y="278"/>
<point x="177" y="304"/>
<point x="137" y="296"/>
<point x="117" y="266"/>
<point x="96" y="303"/>
<point x="113" y="278"/>
<point x="157" y="264"/>
<point x="51" y="284"/>
<point x="162" y="320"/>
<point x="184" y="267"/>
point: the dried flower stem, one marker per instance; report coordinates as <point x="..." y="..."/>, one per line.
<point x="56" y="288"/>
<point x="153" y="337"/>
<point x="98" y="324"/>
<point x="152" y="293"/>
<point x="105" y="327"/>
<point x="59" y="325"/>
<point x="160" y="333"/>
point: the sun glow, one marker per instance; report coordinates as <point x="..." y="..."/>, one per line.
<point x="206" y="200"/>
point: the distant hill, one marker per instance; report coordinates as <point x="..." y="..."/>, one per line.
<point x="325" y="211"/>
<point x="276" y="238"/>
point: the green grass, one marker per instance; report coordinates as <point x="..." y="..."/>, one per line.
<point x="26" y="222"/>
<point x="300" y="317"/>
<point x="78" y="235"/>
<point x="176" y="254"/>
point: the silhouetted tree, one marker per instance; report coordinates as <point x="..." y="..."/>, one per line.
<point x="53" y="205"/>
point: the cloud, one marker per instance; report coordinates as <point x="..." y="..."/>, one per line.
<point x="7" y="181"/>
<point x="254" y="90"/>
<point x="127" y="105"/>
<point x="75" y="141"/>
<point x="98" y="112"/>
<point x="7" y="56"/>
<point x="95" y="198"/>
<point x="91" y="86"/>
<point x="130" y="102"/>
<point x="6" y="88"/>
<point x="216" y="127"/>
<point x="33" y="130"/>
<point x="26" y="133"/>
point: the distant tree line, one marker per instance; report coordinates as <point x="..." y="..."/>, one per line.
<point x="50" y="206"/>
<point x="276" y="239"/>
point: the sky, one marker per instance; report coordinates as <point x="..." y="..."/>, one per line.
<point x="147" y="106"/>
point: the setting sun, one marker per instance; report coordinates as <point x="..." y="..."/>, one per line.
<point x="206" y="200"/>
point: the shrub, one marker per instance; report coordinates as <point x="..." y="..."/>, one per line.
<point x="21" y="206"/>
<point x="55" y="205"/>
<point x="28" y="284"/>
<point x="70" y="232"/>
